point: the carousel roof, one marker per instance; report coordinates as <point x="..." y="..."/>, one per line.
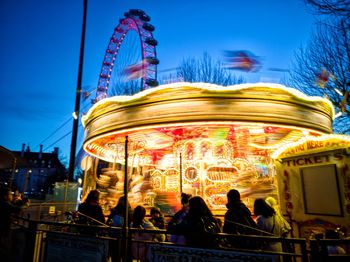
<point x="264" y="116"/>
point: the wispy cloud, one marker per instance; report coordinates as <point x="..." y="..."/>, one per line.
<point x="35" y="105"/>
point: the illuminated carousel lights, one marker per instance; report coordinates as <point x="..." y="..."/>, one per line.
<point x="156" y="173"/>
<point x="241" y="161"/>
<point x="219" y="178"/>
<point x="209" y="87"/>
<point x="285" y="147"/>
<point x="171" y="170"/>
<point x="92" y="148"/>
<point x="204" y="123"/>
<point x="203" y="147"/>
<point x="212" y="200"/>
<point x="288" y="139"/>
<point x="195" y="177"/>
<point x="168" y="161"/>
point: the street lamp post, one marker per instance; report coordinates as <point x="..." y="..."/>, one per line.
<point x="76" y="109"/>
<point x="77" y="99"/>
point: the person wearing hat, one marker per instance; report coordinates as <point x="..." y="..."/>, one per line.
<point x="157" y="218"/>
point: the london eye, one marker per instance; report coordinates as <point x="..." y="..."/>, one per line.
<point x="130" y="61"/>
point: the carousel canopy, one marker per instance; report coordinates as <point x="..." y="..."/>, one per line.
<point x="253" y="118"/>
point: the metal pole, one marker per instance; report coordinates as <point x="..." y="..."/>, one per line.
<point x="77" y="98"/>
<point x="180" y="173"/>
<point x="126" y="206"/>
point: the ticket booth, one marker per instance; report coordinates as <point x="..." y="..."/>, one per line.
<point x="313" y="177"/>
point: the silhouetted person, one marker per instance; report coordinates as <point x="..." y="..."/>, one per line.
<point x="178" y="217"/>
<point x="238" y="221"/>
<point x="7" y="209"/>
<point x="334" y="249"/>
<point x="198" y="224"/>
<point x="91" y="211"/>
<point x="238" y="214"/>
<point x="157" y="218"/>
<point x="117" y="215"/>
<point x="285" y="228"/>
<point x="268" y="221"/>
<point x="139" y="249"/>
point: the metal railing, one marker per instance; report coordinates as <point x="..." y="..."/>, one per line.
<point x="47" y="241"/>
<point x="330" y="250"/>
<point x="48" y="211"/>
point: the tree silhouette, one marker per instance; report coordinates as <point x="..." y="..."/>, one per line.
<point x="205" y="70"/>
<point x="340" y="8"/>
<point x="322" y="67"/>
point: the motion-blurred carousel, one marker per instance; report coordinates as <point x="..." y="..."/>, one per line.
<point x="197" y="138"/>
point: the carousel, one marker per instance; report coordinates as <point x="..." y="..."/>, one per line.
<point x="196" y="138"/>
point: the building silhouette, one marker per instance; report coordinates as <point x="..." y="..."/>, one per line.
<point x="31" y="173"/>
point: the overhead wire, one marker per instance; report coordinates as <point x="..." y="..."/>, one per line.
<point x="57" y="140"/>
<point x="54" y="132"/>
<point x="88" y="88"/>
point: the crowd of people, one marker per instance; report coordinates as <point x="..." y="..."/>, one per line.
<point x="11" y="205"/>
<point x="194" y="223"/>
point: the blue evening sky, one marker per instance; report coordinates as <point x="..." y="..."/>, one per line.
<point x="40" y="41"/>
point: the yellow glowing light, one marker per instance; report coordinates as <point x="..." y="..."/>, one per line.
<point x="306" y="132"/>
<point x="256" y="131"/>
<point x="109" y="155"/>
<point x="205" y="86"/>
<point x="74" y="115"/>
<point x="167" y="161"/>
<point x="288" y="146"/>
<point x="291" y="137"/>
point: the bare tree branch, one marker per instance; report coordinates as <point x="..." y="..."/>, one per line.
<point x="206" y="70"/>
<point x="331" y="7"/>
<point x="328" y="50"/>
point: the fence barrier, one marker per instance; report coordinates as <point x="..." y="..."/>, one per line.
<point x="41" y="241"/>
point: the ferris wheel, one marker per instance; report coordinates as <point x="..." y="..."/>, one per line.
<point x="130" y="62"/>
